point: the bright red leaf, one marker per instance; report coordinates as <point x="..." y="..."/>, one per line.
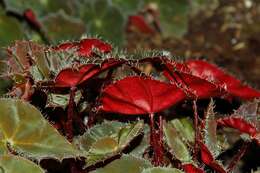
<point x="212" y="73"/>
<point x="85" y="47"/>
<point x="208" y="159"/>
<point x="138" y="95"/>
<point x="190" y="168"/>
<point x="240" y="124"/>
<point x="73" y="77"/>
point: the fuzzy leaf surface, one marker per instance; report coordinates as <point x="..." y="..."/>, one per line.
<point x="26" y="131"/>
<point x="125" y="164"/>
<point x="162" y="170"/>
<point x="14" y="164"/>
<point x="107" y="139"/>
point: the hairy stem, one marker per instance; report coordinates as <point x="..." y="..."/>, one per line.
<point x="237" y="157"/>
<point x="156" y="141"/>
<point x="70" y="113"/>
<point x="196" y="126"/>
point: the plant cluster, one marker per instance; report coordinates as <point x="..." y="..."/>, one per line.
<point x="96" y="109"/>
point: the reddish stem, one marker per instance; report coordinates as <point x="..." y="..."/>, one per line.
<point x="196" y="126"/>
<point x="156" y="141"/>
<point x="70" y="113"/>
<point x="237" y="157"/>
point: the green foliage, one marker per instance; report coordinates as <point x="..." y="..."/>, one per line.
<point x="25" y="131"/>
<point x="124" y="164"/>
<point x="107" y="139"/>
<point x="61" y="27"/>
<point x="177" y="146"/>
<point x="104" y="19"/>
<point x="14" y="164"/>
<point x="161" y="170"/>
<point x="10" y="30"/>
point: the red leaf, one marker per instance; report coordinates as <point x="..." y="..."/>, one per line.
<point x="208" y="159"/>
<point x="212" y="73"/>
<point x="138" y="23"/>
<point x="190" y="168"/>
<point x="31" y="18"/>
<point x="86" y="47"/>
<point x="238" y="123"/>
<point x="72" y="77"/>
<point x="198" y="87"/>
<point x="66" y="45"/>
<point x="137" y="95"/>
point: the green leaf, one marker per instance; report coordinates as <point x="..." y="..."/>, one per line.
<point x="140" y="149"/>
<point x="127" y="6"/>
<point x="27" y="132"/>
<point x="60" y="26"/>
<point x="14" y="164"/>
<point x="173" y="16"/>
<point x="68" y="6"/>
<point x="104" y="19"/>
<point x="62" y="100"/>
<point x="3" y="149"/>
<point x="125" y="164"/>
<point x="162" y="170"/>
<point x="178" y="148"/>
<point x="107" y="139"/>
<point x="5" y="83"/>
<point x="184" y="128"/>
<point x="210" y="130"/>
<point x="21" y="5"/>
<point x="10" y="29"/>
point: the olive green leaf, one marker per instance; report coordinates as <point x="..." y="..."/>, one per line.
<point x="10" y="29"/>
<point x="185" y="129"/>
<point x="14" y="164"/>
<point x="177" y="146"/>
<point x="103" y="19"/>
<point x="210" y="130"/>
<point x="174" y="15"/>
<point x="60" y="26"/>
<point x="162" y="170"/>
<point x="125" y="164"/>
<point x="106" y="140"/>
<point x="25" y="130"/>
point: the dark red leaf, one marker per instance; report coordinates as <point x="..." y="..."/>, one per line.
<point x="212" y="73"/>
<point x="138" y="95"/>
<point x="190" y="168"/>
<point x="138" y="23"/>
<point x="73" y="77"/>
<point x="31" y="18"/>
<point x="86" y="47"/>
<point x="238" y="123"/>
<point x="208" y="159"/>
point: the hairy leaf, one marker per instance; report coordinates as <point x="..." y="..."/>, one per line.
<point x="212" y="73"/>
<point x="177" y="147"/>
<point x="162" y="170"/>
<point x="14" y="164"/>
<point x="106" y="140"/>
<point x="125" y="164"/>
<point x="27" y="132"/>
